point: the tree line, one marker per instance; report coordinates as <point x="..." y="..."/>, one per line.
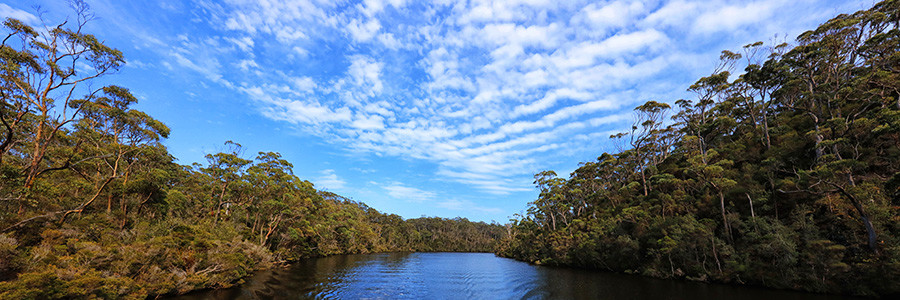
<point x="786" y="174"/>
<point x="92" y="205"/>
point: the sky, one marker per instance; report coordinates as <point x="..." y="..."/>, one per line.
<point x="420" y="108"/>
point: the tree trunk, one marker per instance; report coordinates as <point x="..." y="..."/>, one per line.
<point x="712" y="240"/>
<point x="724" y="218"/>
<point x="33" y="165"/>
<point x="870" y="230"/>
<point x="752" y="213"/>
<point x="765" y="122"/>
<point x="221" y="198"/>
<point x="553" y="220"/>
<point x="65" y="213"/>
<point x="644" y="181"/>
<point x="819" y="138"/>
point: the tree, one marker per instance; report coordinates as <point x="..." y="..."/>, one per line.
<point x="115" y="138"/>
<point x="39" y="77"/>
<point x="808" y="141"/>
<point x="225" y="169"/>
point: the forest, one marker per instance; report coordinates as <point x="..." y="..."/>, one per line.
<point x="785" y="174"/>
<point x="782" y="171"/>
<point x="92" y="205"/>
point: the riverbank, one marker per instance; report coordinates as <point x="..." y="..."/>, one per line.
<point x="470" y="276"/>
<point x="707" y="280"/>
<point x="93" y="257"/>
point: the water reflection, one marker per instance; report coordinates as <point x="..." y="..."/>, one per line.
<point x="466" y="276"/>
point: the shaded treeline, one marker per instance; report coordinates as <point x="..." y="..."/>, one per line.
<point x="92" y="204"/>
<point x="785" y="175"/>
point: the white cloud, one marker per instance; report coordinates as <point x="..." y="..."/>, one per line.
<point x="372" y="7"/>
<point x="8" y="12"/>
<point x="244" y="43"/>
<point x="549" y="100"/>
<point x="247" y="64"/>
<point x="455" y="204"/>
<point x="511" y="33"/>
<point x="673" y="13"/>
<point x="329" y="180"/>
<point x="305" y="111"/>
<point x="209" y="67"/>
<point x="598" y="19"/>
<point x="389" y="41"/>
<point x="487" y="11"/>
<point x="366" y="74"/>
<point x="487" y="183"/>
<point x="730" y="17"/>
<point x="488" y="91"/>
<point x="589" y="53"/>
<point x="303" y="84"/>
<point x="405" y="193"/>
<point x="445" y="71"/>
<point x="372" y="122"/>
<point x="363" y="31"/>
<point x="296" y="111"/>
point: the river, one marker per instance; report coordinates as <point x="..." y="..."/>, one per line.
<point x="467" y="276"/>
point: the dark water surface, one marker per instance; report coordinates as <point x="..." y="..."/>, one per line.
<point x="467" y="276"/>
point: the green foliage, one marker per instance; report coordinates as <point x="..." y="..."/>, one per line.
<point x="786" y="176"/>
<point x="92" y="205"/>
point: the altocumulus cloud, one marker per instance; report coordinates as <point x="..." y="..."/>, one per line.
<point x="490" y="92"/>
<point x="480" y="88"/>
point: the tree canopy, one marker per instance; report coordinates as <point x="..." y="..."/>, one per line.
<point x="785" y="174"/>
<point x="92" y="205"/>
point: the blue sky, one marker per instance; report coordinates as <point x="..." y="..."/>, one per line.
<point x="437" y="108"/>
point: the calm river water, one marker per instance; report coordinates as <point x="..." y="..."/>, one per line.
<point x="467" y="276"/>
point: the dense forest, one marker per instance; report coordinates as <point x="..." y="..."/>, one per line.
<point x="92" y="205"/>
<point x="785" y="175"/>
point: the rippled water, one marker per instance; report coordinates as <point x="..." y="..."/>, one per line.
<point x="467" y="276"/>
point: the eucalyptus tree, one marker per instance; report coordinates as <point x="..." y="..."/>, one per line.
<point x="550" y="203"/>
<point x="836" y="76"/>
<point x="115" y="139"/>
<point x="44" y="72"/>
<point x="226" y="170"/>
<point x="787" y="175"/>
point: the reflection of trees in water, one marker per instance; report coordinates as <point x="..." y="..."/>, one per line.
<point x="467" y="276"/>
<point x="323" y="277"/>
